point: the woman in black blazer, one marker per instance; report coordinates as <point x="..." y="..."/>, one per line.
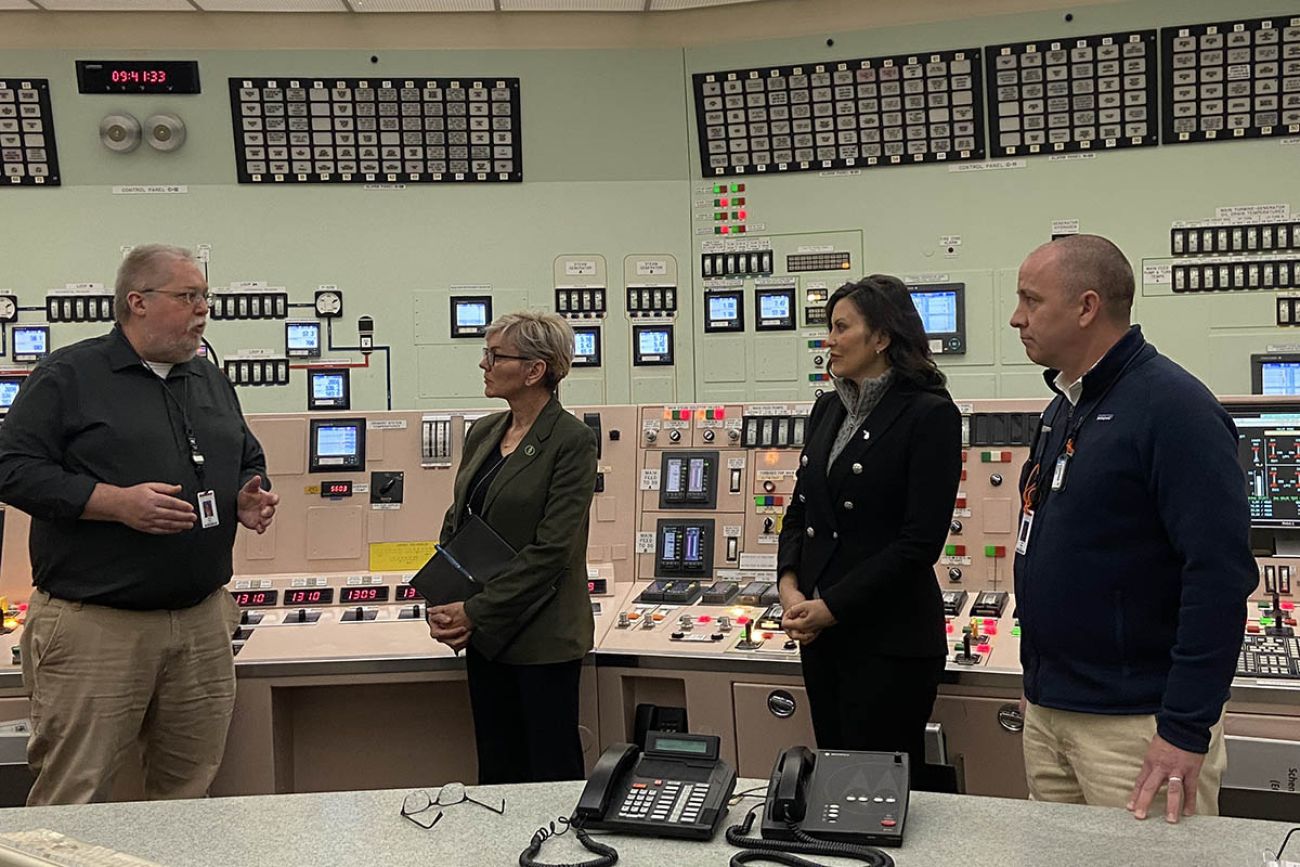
<point x="869" y="516"/>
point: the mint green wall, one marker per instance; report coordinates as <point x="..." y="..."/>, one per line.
<point x="611" y="169"/>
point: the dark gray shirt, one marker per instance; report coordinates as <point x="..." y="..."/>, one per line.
<point x="93" y="412"/>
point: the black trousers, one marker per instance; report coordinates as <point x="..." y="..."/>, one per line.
<point x="525" y="720"/>
<point x="867" y="701"/>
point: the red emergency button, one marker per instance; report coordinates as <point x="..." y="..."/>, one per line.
<point x="1252" y="628"/>
<point x="888" y="823"/>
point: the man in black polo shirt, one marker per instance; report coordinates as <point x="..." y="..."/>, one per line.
<point x="133" y="459"/>
<point x="1133" y="560"/>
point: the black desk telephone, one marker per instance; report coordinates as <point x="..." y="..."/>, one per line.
<point x="677" y="788"/>
<point x="838" y="796"/>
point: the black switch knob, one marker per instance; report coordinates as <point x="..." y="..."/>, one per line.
<point x="954" y="574"/>
<point x="302" y="615"/>
<point x="243" y="617"/>
<point x="995" y="480"/>
<point x="360" y="613"/>
<point x="415" y="611"/>
<point x="955" y="527"/>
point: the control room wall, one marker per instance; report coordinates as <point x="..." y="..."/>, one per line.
<point x="612" y="169"/>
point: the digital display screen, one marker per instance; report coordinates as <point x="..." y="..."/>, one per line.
<point x="336" y="440"/>
<point x="673" y="481"/>
<point x="682" y="745"/>
<point x="584" y="343"/>
<point x="668" y="552"/>
<point x="8" y="391"/>
<point x="327" y="386"/>
<point x="407" y="593"/>
<point x="695" y="482"/>
<point x="1276" y="377"/>
<point x="303" y="336"/>
<point x="1268" y="448"/>
<point x="694" y="553"/>
<point x="338" y="488"/>
<point x="31" y="342"/>
<point x="309" y="596"/>
<point x="471" y="314"/>
<point x="598" y="586"/>
<point x="653" y="342"/>
<point x="137" y="76"/>
<point x="938" y="311"/>
<point x="255" y="598"/>
<point x="774" y="306"/>
<point x="724" y="308"/>
<point x="353" y="595"/>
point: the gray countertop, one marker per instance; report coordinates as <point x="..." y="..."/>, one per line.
<point x="366" y="828"/>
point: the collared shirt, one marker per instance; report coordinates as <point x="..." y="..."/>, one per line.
<point x="95" y="412"/>
<point x="1073" y="391"/>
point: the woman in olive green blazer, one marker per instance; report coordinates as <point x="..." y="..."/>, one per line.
<point x="529" y="473"/>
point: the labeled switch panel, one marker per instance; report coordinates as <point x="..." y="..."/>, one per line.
<point x="1246" y="238"/>
<point x="799" y="262"/>
<point x="257" y="371"/>
<point x="774" y="431"/>
<point x="1220" y="276"/>
<point x="1231" y="80"/>
<point x="28" y="156"/>
<point x="736" y="263"/>
<point x="79" y="308"/>
<point x="1003" y="428"/>
<point x="435" y="441"/>
<point x="585" y="303"/>
<point x="651" y="300"/>
<point x="250" y="305"/>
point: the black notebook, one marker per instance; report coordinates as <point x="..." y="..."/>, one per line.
<point x="462" y="568"/>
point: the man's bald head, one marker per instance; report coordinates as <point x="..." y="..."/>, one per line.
<point x="1083" y="262"/>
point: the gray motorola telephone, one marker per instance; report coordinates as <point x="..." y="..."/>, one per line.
<point x="837" y="796"/>
<point x="677" y="787"/>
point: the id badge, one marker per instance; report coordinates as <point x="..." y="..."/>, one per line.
<point x="1058" y="473"/>
<point x="208" y="509"/>
<point x="1026" y="527"/>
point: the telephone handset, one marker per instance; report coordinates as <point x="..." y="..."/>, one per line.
<point x="678" y="787"/>
<point x="837" y="795"/>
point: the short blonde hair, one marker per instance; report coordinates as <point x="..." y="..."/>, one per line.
<point x="541" y="335"/>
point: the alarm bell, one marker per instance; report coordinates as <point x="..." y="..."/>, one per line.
<point x="120" y="133"/>
<point x="165" y="132"/>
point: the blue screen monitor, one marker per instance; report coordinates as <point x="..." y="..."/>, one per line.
<point x="470" y="315"/>
<point x="329" y="388"/>
<point x="586" y="346"/>
<point x="337" y="444"/>
<point x="31" y="342"/>
<point x="1275" y="373"/>
<point x="302" y="339"/>
<point x="942" y="308"/>
<point x="9" y="386"/>
<point x="724" y="311"/>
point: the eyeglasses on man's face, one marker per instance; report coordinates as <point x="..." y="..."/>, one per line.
<point x="424" y="808"/>
<point x="491" y="356"/>
<point x="189" y="298"/>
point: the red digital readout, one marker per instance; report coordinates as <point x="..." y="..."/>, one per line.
<point x="138" y="76"/>
<point x="316" y="596"/>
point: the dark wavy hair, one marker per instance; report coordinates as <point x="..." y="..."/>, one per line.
<point x="886" y="305"/>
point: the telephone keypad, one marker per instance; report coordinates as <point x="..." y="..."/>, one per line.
<point x="667" y="801"/>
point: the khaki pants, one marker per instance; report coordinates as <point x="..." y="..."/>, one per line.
<point x="103" y="679"/>
<point x="1092" y="758"/>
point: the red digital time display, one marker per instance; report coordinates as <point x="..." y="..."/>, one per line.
<point x="311" y="596"/>
<point x="407" y="593"/>
<point x="138" y="76"/>
<point x="255" y="598"/>
<point x="353" y="595"/>
<point x="336" y="488"/>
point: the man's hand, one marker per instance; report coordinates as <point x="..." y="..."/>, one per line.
<point x="805" y="620"/>
<point x="150" y="507"/>
<point x="1167" y="763"/>
<point x="256" y="507"/>
<point x="450" y="625"/>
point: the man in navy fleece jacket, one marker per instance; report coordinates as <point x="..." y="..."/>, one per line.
<point x="1133" y="562"/>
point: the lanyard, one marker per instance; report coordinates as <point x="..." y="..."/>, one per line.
<point x="1032" y="495"/>
<point x="196" y="456"/>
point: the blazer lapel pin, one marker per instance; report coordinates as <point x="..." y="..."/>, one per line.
<point x="530" y="450"/>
